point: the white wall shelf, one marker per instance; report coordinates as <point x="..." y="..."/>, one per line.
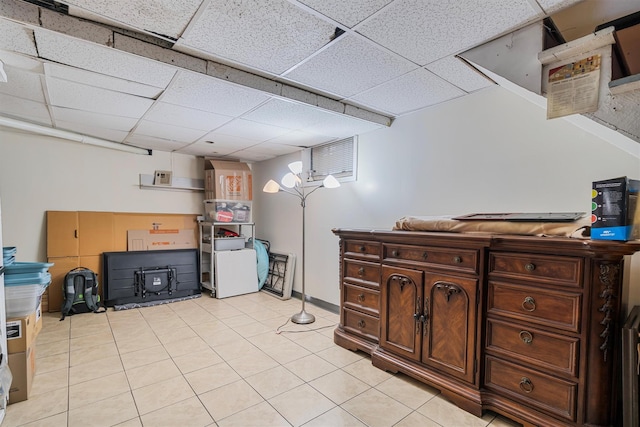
<point x="177" y="184"/>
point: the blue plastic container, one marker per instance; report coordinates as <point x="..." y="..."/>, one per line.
<point x="27" y="267"/>
<point x="27" y="279"/>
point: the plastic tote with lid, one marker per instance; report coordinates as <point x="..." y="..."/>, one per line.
<point x="24" y="284"/>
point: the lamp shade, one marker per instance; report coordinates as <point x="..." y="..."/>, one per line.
<point x="295" y="167"/>
<point x="330" y="182"/>
<point x="290" y="180"/>
<point x="271" y="187"/>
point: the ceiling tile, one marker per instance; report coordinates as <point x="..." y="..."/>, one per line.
<point x="185" y="117"/>
<point x="273" y="150"/>
<point x="151" y="143"/>
<point x="164" y="17"/>
<point x="251" y="130"/>
<point x="413" y="91"/>
<point x="63" y="93"/>
<point x="102" y="59"/>
<point x="168" y="131"/>
<point x="286" y="114"/>
<point x="90" y="129"/>
<point x="271" y="36"/>
<point x="224" y="141"/>
<point x="201" y="148"/>
<point x="550" y="6"/>
<point x="22" y="84"/>
<point x="300" y="139"/>
<point x="348" y="13"/>
<point x="23" y="109"/>
<point x="21" y="62"/>
<point x="95" y="119"/>
<point x="341" y="126"/>
<point x="211" y="94"/>
<point x="349" y="66"/>
<point x="426" y="30"/>
<point x="16" y="38"/>
<point x="459" y="73"/>
<point x="100" y="80"/>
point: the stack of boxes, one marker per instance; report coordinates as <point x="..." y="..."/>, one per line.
<point x="228" y="191"/>
<point x="24" y="284"/>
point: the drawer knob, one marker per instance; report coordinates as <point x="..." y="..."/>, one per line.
<point x="361" y="271"/>
<point x="425" y="255"/>
<point x="526" y="337"/>
<point x="529" y="304"/>
<point x="395" y="252"/>
<point x="526" y="385"/>
<point x="457" y="259"/>
<point x="361" y="298"/>
<point x="362" y="248"/>
<point x="530" y="266"/>
<point x="361" y="323"/>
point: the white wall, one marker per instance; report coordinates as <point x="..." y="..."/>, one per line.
<point x="488" y="152"/>
<point x="39" y="173"/>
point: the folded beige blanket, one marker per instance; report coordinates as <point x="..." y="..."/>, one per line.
<point x="577" y="229"/>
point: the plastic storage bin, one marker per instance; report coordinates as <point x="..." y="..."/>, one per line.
<point x="8" y="255"/>
<point x="24" y="284"/>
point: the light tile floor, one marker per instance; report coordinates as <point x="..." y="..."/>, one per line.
<point x="210" y="362"/>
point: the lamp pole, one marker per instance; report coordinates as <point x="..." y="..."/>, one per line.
<point x="303" y="317"/>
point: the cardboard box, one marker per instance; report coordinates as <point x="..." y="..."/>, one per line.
<point x="23" y="368"/>
<point x="149" y="240"/>
<point x="39" y="316"/>
<point x="628" y="40"/>
<point x="21" y="333"/>
<point x="227" y="180"/>
<point x="238" y="211"/>
<point x="615" y="209"/>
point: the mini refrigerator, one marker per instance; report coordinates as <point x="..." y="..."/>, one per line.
<point x="236" y="272"/>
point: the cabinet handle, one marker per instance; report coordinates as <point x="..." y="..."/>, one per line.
<point x="75" y="233"/>
<point x="457" y="259"/>
<point x="360" y="298"/>
<point x="361" y="271"/>
<point x="395" y="252"/>
<point x="362" y="248"/>
<point x="526" y="385"/>
<point x="529" y="304"/>
<point x="530" y="266"/>
<point x="526" y="337"/>
<point x="425" y="255"/>
<point x="361" y="323"/>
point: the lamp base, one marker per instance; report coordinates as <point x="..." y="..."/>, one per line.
<point x="303" y="318"/>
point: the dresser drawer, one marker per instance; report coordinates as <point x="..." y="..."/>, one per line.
<point x="549" y="394"/>
<point x="361" y="272"/>
<point x="459" y="259"/>
<point x="565" y="271"/>
<point x="361" y="324"/>
<point x="362" y="249"/>
<point x="556" y="309"/>
<point x="533" y="346"/>
<point x="361" y="299"/>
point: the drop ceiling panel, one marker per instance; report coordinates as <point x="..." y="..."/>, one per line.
<point x="348" y="13"/>
<point x="300" y="139"/>
<point x="206" y="150"/>
<point x="24" y="109"/>
<point x="164" y="17"/>
<point x="271" y="36"/>
<point x="63" y="93"/>
<point x="349" y="66"/>
<point x="338" y="126"/>
<point x="16" y="38"/>
<point x="168" y="131"/>
<point x="550" y="6"/>
<point x="286" y="114"/>
<point x="251" y="130"/>
<point x="228" y="142"/>
<point x="92" y="130"/>
<point x="185" y="117"/>
<point x="151" y="143"/>
<point x="22" y="84"/>
<point x="24" y="63"/>
<point x="102" y="59"/>
<point x="274" y="150"/>
<point x="100" y="80"/>
<point x="100" y="120"/>
<point x="459" y="73"/>
<point x="418" y="89"/>
<point x="212" y="95"/>
<point x="426" y="30"/>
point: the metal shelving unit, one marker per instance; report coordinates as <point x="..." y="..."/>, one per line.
<point x="208" y="231"/>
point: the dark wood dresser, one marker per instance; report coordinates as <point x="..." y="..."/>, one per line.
<point x="528" y="327"/>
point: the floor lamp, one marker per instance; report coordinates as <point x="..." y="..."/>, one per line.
<point x="293" y="182"/>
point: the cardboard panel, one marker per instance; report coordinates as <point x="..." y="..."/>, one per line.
<point x="23" y="368"/>
<point x="229" y="180"/>
<point x="123" y="222"/>
<point x="21" y="333"/>
<point x="95" y="232"/>
<point x="150" y="240"/>
<point x="62" y="229"/>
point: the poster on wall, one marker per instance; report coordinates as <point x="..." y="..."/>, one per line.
<point x="573" y="88"/>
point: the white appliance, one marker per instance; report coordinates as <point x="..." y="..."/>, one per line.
<point x="236" y="272"/>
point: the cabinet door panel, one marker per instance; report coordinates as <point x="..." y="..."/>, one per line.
<point x="450" y="308"/>
<point x="402" y="303"/>
<point x="62" y="234"/>
<point x="96" y="232"/>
